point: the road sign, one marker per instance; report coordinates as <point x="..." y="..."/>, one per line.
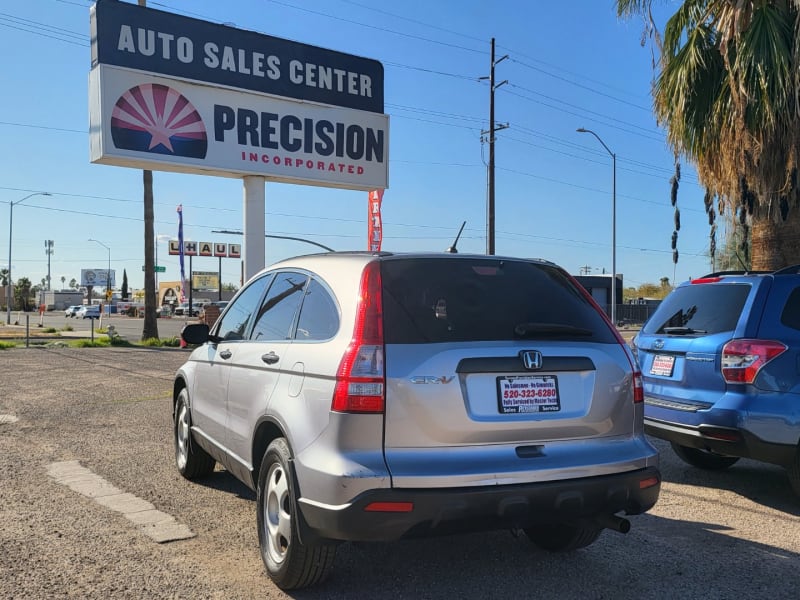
<point x="157" y="269"/>
<point x="109" y="295"/>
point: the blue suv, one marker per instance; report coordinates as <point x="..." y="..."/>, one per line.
<point x="721" y="364"/>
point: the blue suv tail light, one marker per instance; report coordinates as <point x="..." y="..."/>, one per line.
<point x="743" y="359"/>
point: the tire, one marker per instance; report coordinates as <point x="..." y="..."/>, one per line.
<point x="192" y="461"/>
<point x="794" y="473"/>
<point x="290" y="564"/>
<point x="703" y="459"/>
<point x="563" y="537"/>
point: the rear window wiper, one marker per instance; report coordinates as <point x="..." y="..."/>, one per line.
<point x="549" y="329"/>
<point x="682" y="330"/>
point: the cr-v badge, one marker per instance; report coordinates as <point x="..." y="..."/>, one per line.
<point x="431" y="379"/>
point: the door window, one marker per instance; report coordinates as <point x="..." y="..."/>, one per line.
<point x="791" y="311"/>
<point x="276" y="316"/>
<point x="233" y="326"/>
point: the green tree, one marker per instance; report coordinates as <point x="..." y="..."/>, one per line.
<point x="124" y="290"/>
<point x="73" y="283"/>
<point x="22" y="293"/>
<point x="726" y="91"/>
<point x="3" y="277"/>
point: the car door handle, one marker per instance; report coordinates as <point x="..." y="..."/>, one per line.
<point x="226" y="354"/>
<point x="270" y="358"/>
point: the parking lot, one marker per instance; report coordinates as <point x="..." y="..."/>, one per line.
<point x="711" y="535"/>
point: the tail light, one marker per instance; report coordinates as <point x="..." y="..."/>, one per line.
<point x="360" y="379"/>
<point x="743" y="359"/>
<point x="638" y="386"/>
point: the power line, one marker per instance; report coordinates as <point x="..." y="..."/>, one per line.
<point x="580" y="85"/>
<point x="559" y="107"/>
<point x="384" y="29"/>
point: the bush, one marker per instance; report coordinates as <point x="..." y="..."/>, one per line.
<point x="7" y="345"/>
<point x="159" y="343"/>
<point x="97" y="343"/>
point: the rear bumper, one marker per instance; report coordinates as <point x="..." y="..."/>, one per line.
<point x="740" y="442"/>
<point x="441" y="511"/>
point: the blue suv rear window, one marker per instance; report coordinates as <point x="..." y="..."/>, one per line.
<point x="703" y="308"/>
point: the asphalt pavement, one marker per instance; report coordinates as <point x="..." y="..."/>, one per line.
<point x="100" y="419"/>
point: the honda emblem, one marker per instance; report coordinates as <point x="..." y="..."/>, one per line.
<point x="532" y="359"/>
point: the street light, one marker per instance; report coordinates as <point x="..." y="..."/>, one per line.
<point x="9" y="294"/>
<point x="613" y="225"/>
<point x="108" y="273"/>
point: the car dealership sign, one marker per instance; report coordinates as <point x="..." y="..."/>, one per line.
<point x="173" y="93"/>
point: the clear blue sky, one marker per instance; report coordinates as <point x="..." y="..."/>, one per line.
<point x="569" y="65"/>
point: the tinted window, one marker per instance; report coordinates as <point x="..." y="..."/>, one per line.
<point x="460" y="299"/>
<point x="703" y="307"/>
<point x="276" y="315"/>
<point x="791" y="312"/>
<point x="234" y="325"/>
<point x="319" y="317"/>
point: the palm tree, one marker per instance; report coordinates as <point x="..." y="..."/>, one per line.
<point x="726" y="90"/>
<point x="22" y="292"/>
<point x="63" y="280"/>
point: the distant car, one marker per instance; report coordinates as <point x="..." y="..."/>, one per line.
<point x="88" y="312"/>
<point x="183" y="309"/>
<point x="375" y="397"/>
<point x="70" y="312"/>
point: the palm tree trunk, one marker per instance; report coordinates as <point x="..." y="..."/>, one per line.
<point x="775" y="245"/>
<point x="150" y="323"/>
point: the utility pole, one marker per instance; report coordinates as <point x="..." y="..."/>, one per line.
<point x="150" y="328"/>
<point x="492" y="129"/>
<point x="48" y="250"/>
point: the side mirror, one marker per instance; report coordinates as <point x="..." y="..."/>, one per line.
<point x="195" y="333"/>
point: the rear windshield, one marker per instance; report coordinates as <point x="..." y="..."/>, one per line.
<point x="457" y="300"/>
<point x="701" y="308"/>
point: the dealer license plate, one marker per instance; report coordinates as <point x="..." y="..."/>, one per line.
<point x="525" y="394"/>
<point x="663" y="365"/>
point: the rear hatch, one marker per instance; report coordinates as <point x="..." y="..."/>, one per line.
<point x="500" y="371"/>
<point x="679" y="348"/>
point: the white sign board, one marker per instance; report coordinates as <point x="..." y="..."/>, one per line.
<point x="144" y="121"/>
<point x="98" y="278"/>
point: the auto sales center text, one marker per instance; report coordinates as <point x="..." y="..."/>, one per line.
<point x="266" y="129"/>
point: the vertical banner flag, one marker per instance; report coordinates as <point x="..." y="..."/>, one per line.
<point x="180" y="246"/>
<point x="375" y="224"/>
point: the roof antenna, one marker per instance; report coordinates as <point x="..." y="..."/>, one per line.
<point x="452" y="249"/>
<point x="741" y="262"/>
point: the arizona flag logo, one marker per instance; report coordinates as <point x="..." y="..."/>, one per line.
<point x="155" y="118"/>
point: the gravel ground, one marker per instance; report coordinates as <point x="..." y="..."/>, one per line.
<point x="711" y="535"/>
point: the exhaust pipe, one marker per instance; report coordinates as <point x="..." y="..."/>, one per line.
<point x="614" y="522"/>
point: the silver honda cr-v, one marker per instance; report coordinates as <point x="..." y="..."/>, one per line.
<point x="378" y="396"/>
